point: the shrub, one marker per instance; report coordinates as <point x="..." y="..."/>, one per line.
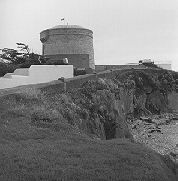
<point x="42" y="115"/>
<point x="138" y="80"/>
<point x="31" y="95"/>
<point x="7" y="68"/>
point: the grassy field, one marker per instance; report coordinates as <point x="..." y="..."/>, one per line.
<point x="38" y="143"/>
<point x="78" y="158"/>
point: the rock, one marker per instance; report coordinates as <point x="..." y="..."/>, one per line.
<point x="157" y="102"/>
<point x="134" y="126"/>
<point x="173" y="154"/>
<point x="153" y="130"/>
<point x="149" y="90"/>
<point x="146" y="119"/>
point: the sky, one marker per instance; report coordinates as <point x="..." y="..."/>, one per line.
<point x="124" y="31"/>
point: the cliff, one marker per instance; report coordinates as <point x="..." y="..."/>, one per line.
<point x="83" y="134"/>
<point x="105" y="104"/>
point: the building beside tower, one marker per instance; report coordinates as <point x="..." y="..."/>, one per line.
<point x="164" y="64"/>
<point x="69" y="41"/>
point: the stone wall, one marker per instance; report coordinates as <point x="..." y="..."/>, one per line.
<point x="68" y="41"/>
<point x="100" y="68"/>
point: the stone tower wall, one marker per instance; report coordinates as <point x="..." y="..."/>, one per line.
<point x="68" y="41"/>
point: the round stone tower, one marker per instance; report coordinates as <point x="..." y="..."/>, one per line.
<point x="69" y="41"/>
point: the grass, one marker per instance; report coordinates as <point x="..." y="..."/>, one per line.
<point x="79" y="158"/>
<point x="41" y="140"/>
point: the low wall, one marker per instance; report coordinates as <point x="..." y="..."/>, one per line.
<point x="36" y="74"/>
<point x="47" y="73"/>
<point x="78" y="81"/>
<point x="13" y="81"/>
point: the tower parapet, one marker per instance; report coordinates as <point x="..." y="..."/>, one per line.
<point x="69" y="41"/>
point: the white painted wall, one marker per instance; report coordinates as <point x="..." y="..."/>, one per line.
<point x="165" y="66"/>
<point x="47" y="73"/>
<point x="8" y="83"/>
<point x="36" y="74"/>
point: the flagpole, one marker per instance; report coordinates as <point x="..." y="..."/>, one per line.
<point x="63" y="19"/>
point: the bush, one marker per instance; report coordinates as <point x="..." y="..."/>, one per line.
<point x="31" y="95"/>
<point x="138" y="80"/>
<point x="7" y="68"/>
<point x="25" y="65"/>
<point x="43" y="116"/>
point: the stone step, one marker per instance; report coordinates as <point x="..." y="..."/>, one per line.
<point x="22" y="71"/>
<point x="19" y="77"/>
<point x="8" y="75"/>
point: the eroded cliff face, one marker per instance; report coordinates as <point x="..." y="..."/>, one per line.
<point x="107" y="103"/>
<point x="173" y="101"/>
<point x="153" y="93"/>
<point x="133" y="93"/>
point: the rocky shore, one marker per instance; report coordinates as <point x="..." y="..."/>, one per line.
<point x="158" y="132"/>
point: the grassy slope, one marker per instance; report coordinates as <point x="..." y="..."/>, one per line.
<point x="38" y="144"/>
<point x="78" y="158"/>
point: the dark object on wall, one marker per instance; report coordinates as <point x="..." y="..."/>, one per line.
<point x="89" y="71"/>
<point x="77" y="60"/>
<point x="78" y="71"/>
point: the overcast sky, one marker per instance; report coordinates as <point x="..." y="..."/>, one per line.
<point x="124" y="30"/>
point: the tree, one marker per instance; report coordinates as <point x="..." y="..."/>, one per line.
<point x="9" y="54"/>
<point x="23" y="47"/>
<point x="15" y="56"/>
<point x="23" y="57"/>
<point x="20" y="56"/>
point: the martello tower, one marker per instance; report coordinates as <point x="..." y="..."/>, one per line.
<point x="69" y="41"/>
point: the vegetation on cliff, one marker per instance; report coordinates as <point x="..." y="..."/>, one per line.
<point x="150" y="90"/>
<point x="163" y="80"/>
<point x="90" y="109"/>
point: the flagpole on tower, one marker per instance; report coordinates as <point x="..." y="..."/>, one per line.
<point x="63" y="19"/>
